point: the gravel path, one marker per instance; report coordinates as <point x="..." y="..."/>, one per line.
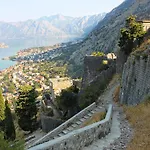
<point x="126" y="133"/>
<point x="121" y="132"/>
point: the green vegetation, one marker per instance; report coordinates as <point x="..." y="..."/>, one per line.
<point x="100" y="54"/>
<point x="2" y="106"/>
<point x="8" y="85"/>
<point x="131" y="36"/>
<point x="6" y="145"/>
<point x="68" y="99"/>
<point x="95" y="118"/>
<point x="52" y="69"/>
<point x="9" y="128"/>
<point x="26" y="108"/>
<point x="91" y="93"/>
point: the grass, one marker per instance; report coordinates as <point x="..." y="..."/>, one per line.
<point x="139" y="118"/>
<point x="95" y="118"/>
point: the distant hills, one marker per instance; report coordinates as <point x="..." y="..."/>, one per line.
<point x="54" y="26"/>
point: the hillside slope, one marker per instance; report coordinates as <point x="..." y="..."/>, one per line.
<point x="106" y="34"/>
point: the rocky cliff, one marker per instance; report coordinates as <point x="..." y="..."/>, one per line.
<point x="135" y="84"/>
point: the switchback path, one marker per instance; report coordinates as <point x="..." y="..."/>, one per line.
<point x="121" y="132"/>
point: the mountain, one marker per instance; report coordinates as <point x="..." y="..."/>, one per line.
<point x="105" y="35"/>
<point x="53" y="26"/>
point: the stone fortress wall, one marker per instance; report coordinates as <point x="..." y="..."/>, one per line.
<point x="80" y="138"/>
<point x="94" y="68"/>
<point x="135" y="84"/>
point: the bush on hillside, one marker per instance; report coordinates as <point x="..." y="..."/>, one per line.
<point x="131" y="35"/>
<point x="100" y="54"/>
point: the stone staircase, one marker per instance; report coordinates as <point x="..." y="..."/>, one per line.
<point x="71" y="126"/>
<point x="73" y="136"/>
<point x="78" y="124"/>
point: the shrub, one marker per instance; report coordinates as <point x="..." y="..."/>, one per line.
<point x="100" y="54"/>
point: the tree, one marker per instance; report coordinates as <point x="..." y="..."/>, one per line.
<point x="9" y="128"/>
<point x="26" y="108"/>
<point x="2" y="106"/>
<point x="131" y="35"/>
<point x="68" y="100"/>
<point x="10" y="145"/>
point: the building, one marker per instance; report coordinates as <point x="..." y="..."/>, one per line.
<point x="146" y="24"/>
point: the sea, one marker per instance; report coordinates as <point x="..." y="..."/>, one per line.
<point x="16" y="45"/>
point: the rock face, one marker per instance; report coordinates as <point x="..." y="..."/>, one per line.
<point x="135" y="84"/>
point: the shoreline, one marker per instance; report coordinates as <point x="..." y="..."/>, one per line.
<point x="3" y="45"/>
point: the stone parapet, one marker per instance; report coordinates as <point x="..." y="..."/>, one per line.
<point x="80" y="138"/>
<point x="57" y="130"/>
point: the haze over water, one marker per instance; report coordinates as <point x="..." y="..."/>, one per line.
<point x="19" y="44"/>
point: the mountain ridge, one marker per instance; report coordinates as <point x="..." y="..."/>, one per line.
<point x="52" y="26"/>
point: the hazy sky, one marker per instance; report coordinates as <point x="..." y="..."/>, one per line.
<point x="17" y="10"/>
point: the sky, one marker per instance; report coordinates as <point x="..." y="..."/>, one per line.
<point x="20" y="10"/>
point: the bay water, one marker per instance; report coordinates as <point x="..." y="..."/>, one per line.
<point x="20" y="44"/>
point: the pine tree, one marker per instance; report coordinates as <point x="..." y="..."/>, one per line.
<point x="26" y="108"/>
<point x="2" y="106"/>
<point x="131" y="35"/>
<point x="9" y="128"/>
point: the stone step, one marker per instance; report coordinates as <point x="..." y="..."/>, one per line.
<point x="61" y="134"/>
<point x="82" y="119"/>
<point x="55" y="137"/>
<point x="70" y="128"/>
<point x="90" y="114"/>
<point x="100" y="107"/>
<point x="93" y="111"/>
<point x="97" y="109"/>
<point x="86" y="117"/>
<point x="65" y="131"/>
<point x="78" y="122"/>
<point x="74" y="125"/>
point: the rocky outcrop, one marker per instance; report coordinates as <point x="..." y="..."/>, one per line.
<point x="135" y="84"/>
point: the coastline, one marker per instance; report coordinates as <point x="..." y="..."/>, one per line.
<point x="3" y="45"/>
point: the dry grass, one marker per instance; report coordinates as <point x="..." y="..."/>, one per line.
<point x="116" y="78"/>
<point x="116" y="94"/>
<point x="95" y="118"/>
<point x="139" y="118"/>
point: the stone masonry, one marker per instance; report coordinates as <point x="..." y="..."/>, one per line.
<point x="80" y="138"/>
<point x="135" y="84"/>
